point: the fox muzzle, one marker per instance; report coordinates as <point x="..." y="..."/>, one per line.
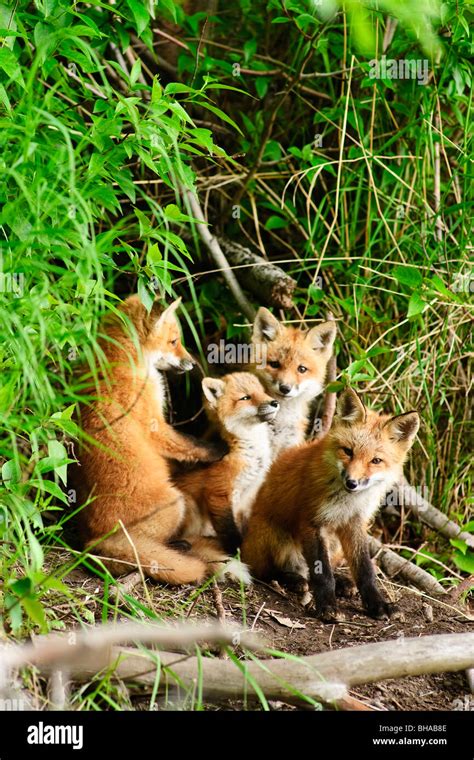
<point x="268" y="410"/>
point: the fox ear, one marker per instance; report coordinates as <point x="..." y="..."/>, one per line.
<point x="322" y="336"/>
<point x="403" y="427"/>
<point x="213" y="389"/>
<point x="168" y="314"/>
<point x="349" y="407"/>
<point x="266" y="326"/>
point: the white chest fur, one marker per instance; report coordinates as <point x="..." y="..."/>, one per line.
<point x="288" y="427"/>
<point x="255" y="451"/>
<point x="343" y="507"/>
<point x="155" y="377"/>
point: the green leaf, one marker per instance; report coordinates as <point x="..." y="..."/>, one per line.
<point x="315" y="293"/>
<point x="221" y="115"/>
<point x="250" y="48"/>
<point x="4" y="99"/>
<point x="459" y="544"/>
<point x="140" y="14"/>
<point x="154" y="254"/>
<point x="335" y="387"/>
<point x="34" y="610"/>
<point x="416" y="305"/>
<point x="437" y="284"/>
<point x="10" y="65"/>
<point x="145" y="295"/>
<point x="175" y="88"/>
<point x="50" y="487"/>
<point x="136" y="71"/>
<point x="170" y="6"/>
<point x="276" y="223"/>
<point x="465" y="562"/>
<point x="36" y="552"/>
<point x="64" y="414"/>
<point x="11" y="473"/>
<point x="261" y="85"/>
<point x="57" y="451"/>
<point x="15" y="612"/>
<point x="410" y="276"/>
<point x="21" y="586"/>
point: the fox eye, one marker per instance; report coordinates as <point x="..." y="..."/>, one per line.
<point x="302" y="369"/>
<point x="245" y="398"/>
<point x="349" y="452"/>
<point x="274" y="365"/>
<point x="174" y="342"/>
<point x="375" y="460"/>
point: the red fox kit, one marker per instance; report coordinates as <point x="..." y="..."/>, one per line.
<point x="320" y="497"/>
<point x="127" y="473"/>
<point x="219" y="495"/>
<point x="293" y="372"/>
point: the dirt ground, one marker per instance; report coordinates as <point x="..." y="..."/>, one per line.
<point x="283" y="624"/>
<point x="444" y="691"/>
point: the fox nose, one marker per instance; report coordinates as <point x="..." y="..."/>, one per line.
<point x="268" y="410"/>
<point x="285" y="389"/>
<point x="186" y="364"/>
<point x="351" y="484"/>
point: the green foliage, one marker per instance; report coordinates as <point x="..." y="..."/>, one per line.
<point x="81" y="142"/>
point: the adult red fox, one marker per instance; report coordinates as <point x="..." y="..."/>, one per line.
<point x="293" y="371"/>
<point x="320" y="497"/>
<point x="126" y="470"/>
<point x="219" y="495"/>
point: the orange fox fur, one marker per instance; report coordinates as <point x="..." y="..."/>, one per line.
<point x="321" y="496"/>
<point x="127" y="471"/>
<point x="293" y="371"/>
<point x="218" y="496"/>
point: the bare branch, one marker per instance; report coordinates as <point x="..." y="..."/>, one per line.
<point x="217" y="254"/>
<point x="394" y="565"/>
<point x="325" y="677"/>
<point x="428" y="514"/>
<point x="266" y="281"/>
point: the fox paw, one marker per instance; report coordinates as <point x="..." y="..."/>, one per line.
<point x="345" y="588"/>
<point x="294" y="582"/>
<point x="381" y="610"/>
<point x="326" y="614"/>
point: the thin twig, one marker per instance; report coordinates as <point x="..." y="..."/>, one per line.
<point x="217" y="254"/>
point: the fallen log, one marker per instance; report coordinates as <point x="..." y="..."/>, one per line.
<point x="323" y="677"/>
<point x="91" y="647"/>
<point x="266" y="281"/>
<point x="393" y="565"/>
<point x="407" y="496"/>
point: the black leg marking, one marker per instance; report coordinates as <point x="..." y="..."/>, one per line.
<point x="345" y="587"/>
<point x="374" y="602"/>
<point x="227" y="532"/>
<point x="292" y="581"/>
<point x="322" y="578"/>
